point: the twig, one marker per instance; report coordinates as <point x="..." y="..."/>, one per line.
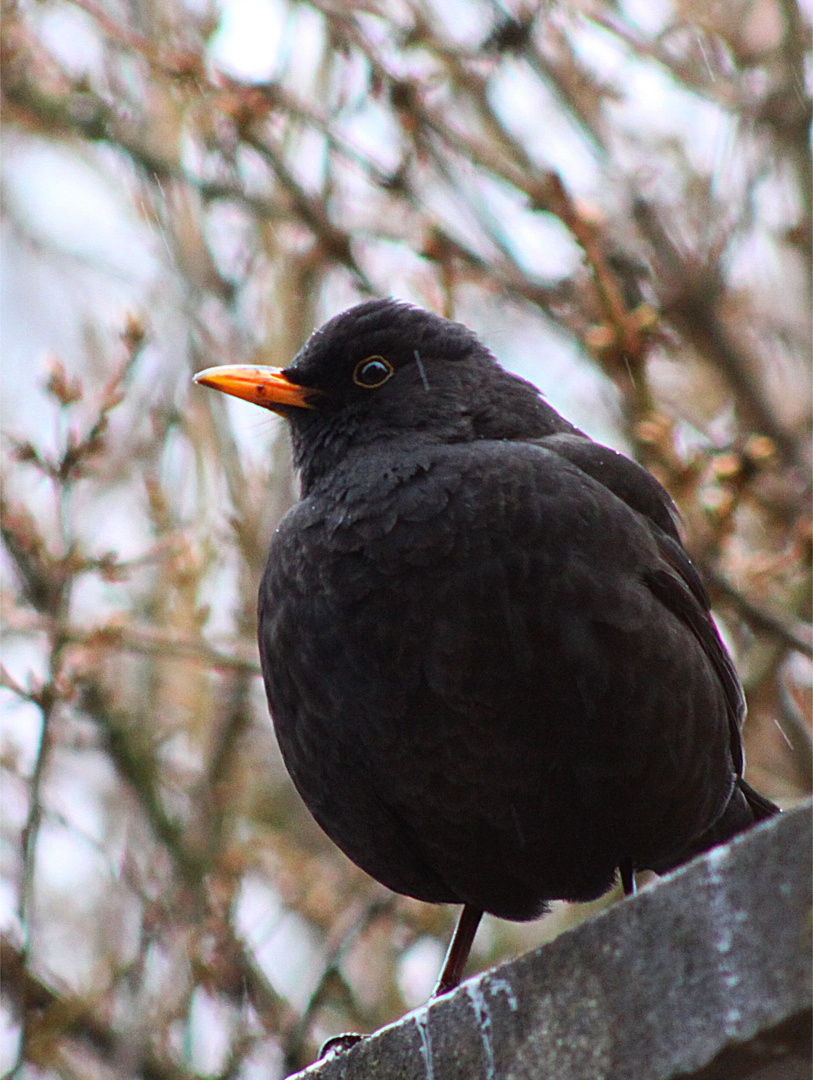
<point x="758" y="618"/>
<point x="295" y="1040"/>
<point x="693" y="306"/>
<point x="68" y="1014"/>
<point x="137" y="767"/>
<point x="312" y="211"/>
<point x="145" y="640"/>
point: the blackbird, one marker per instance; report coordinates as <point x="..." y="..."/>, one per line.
<point x="492" y="669"/>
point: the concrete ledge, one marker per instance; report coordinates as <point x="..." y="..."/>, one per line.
<point x="706" y="973"/>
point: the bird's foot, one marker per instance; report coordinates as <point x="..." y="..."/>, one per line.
<point x="338" y="1043"/>
<point x="627" y="877"/>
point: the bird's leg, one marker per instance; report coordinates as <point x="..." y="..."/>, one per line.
<point x="627" y="877"/>
<point x="453" y="965"/>
<point x="459" y="948"/>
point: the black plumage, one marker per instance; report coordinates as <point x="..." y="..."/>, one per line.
<point x="491" y="665"/>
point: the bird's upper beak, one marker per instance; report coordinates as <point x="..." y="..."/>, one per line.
<point x="266" y="386"/>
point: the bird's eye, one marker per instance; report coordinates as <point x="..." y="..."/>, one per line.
<point x="372" y="372"/>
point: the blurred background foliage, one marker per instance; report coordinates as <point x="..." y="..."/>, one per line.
<point x="614" y="193"/>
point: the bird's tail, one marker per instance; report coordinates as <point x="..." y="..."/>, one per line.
<point x="760" y="807"/>
<point x="745" y="808"/>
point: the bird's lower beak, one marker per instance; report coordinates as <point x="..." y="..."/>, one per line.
<point x="266" y="386"/>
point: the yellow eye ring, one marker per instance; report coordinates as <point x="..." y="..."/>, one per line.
<point x="372" y="372"/>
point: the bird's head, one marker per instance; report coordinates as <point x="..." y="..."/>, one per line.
<point x="386" y="369"/>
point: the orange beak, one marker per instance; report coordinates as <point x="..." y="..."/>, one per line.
<point x="265" y="386"/>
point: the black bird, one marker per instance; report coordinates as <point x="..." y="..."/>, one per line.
<point x="491" y="665"/>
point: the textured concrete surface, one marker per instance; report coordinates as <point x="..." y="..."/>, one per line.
<point x="706" y="973"/>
